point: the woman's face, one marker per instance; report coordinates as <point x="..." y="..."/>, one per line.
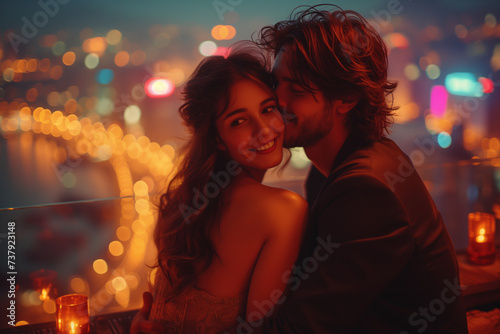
<point x="251" y="128"/>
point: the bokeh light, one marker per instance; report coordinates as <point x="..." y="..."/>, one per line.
<point x="412" y="72"/>
<point x="123" y="233"/>
<point x="58" y="48"/>
<point x="122" y="58"/>
<point x="223" y="32"/>
<point x="439" y="100"/>
<point x="113" y="37"/>
<point x="68" y="180"/>
<point x="49" y="306"/>
<point x="119" y="283"/>
<point x="104" y="76"/>
<point x="77" y="284"/>
<point x="115" y="248"/>
<point x="100" y="266"/>
<point x="444" y="140"/>
<point x="95" y="45"/>
<point x="488" y="85"/>
<point x="159" y="87"/>
<point x="463" y="84"/>
<point x="69" y="58"/>
<point x="207" y="48"/>
<point x="91" y="61"/>
<point x="433" y="71"/>
<point x="132" y="114"/>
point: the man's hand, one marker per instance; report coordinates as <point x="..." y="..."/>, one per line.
<point x="140" y="323"/>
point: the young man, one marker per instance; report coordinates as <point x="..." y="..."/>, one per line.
<point x="376" y="256"/>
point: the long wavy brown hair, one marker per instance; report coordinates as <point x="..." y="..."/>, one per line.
<point x="186" y="218"/>
<point x="344" y="56"/>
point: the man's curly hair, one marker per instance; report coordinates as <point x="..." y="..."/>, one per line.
<point x="340" y="53"/>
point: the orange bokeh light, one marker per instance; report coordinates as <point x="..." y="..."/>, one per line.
<point x="122" y="58"/>
<point x="69" y="58"/>
<point x="223" y="32"/>
<point x="56" y="72"/>
<point x="95" y="45"/>
<point x="44" y="65"/>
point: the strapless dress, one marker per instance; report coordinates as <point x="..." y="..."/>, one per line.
<point x="196" y="311"/>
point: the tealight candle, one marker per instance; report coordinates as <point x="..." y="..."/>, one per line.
<point x="44" y="281"/>
<point x="481" y="238"/>
<point x="72" y="314"/>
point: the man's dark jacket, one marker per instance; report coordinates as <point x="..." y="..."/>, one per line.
<point x="376" y="256"/>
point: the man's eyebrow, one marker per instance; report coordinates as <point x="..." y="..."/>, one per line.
<point x="244" y="109"/>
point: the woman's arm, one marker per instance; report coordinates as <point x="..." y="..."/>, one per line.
<point x="140" y="322"/>
<point x="284" y="220"/>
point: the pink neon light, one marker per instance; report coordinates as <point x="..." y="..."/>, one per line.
<point x="222" y="51"/>
<point x="488" y="86"/>
<point x="439" y="100"/>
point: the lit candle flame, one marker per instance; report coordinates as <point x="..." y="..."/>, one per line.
<point x="44" y="295"/>
<point x="482" y="231"/>
<point x="480" y="238"/>
<point x="73" y="329"/>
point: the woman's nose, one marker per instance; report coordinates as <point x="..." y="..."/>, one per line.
<point x="262" y="130"/>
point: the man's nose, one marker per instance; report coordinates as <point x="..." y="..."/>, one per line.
<point x="281" y="97"/>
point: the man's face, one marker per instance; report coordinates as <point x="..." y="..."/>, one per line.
<point x="307" y="118"/>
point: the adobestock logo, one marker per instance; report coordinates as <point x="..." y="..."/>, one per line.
<point x="425" y="315"/>
<point x="30" y="28"/>
<point x="210" y="191"/>
<point x="221" y="7"/>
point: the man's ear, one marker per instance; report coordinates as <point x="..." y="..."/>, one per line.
<point x="343" y="106"/>
<point x="220" y="143"/>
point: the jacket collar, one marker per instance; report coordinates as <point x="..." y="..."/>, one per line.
<point x="352" y="143"/>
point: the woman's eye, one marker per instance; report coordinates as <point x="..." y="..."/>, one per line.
<point x="236" y="122"/>
<point x="269" y="109"/>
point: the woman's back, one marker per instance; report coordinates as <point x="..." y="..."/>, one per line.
<point x="259" y="224"/>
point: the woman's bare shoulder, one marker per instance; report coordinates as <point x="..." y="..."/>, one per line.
<point x="270" y="205"/>
<point x="260" y="194"/>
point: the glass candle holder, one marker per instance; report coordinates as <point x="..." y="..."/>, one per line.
<point x="72" y="314"/>
<point x="44" y="281"/>
<point x="481" y="248"/>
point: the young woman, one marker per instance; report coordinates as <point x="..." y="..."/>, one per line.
<point x="225" y="241"/>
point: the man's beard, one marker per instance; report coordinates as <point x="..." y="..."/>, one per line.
<point x="309" y="132"/>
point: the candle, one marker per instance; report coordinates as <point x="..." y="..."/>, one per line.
<point x="72" y="314"/>
<point x="481" y="238"/>
<point x="44" y="295"/>
<point x="44" y="281"/>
